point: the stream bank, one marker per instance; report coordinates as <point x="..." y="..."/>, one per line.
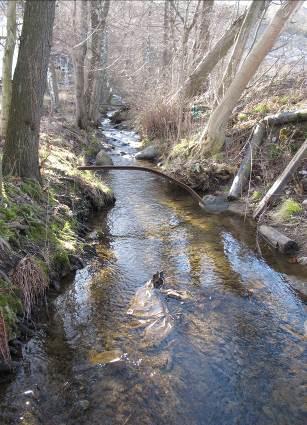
<point x="43" y="228"/>
<point x="236" y="350"/>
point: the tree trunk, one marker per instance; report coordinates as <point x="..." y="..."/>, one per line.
<point x="96" y="73"/>
<point x="20" y="155"/>
<point x="253" y="14"/>
<point x="214" y="135"/>
<point x="80" y="26"/>
<point x="53" y="87"/>
<point x="165" y="56"/>
<point x="202" y="42"/>
<point x="194" y="82"/>
<point x="10" y="42"/>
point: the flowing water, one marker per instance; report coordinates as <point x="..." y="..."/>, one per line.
<point x="235" y="352"/>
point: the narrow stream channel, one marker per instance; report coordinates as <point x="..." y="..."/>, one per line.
<point x="235" y="355"/>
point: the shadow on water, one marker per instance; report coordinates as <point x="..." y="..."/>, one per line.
<point x="234" y="356"/>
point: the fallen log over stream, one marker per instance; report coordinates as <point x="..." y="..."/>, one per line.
<point x="146" y="169"/>
<point x="277" y="240"/>
<point x="243" y="174"/>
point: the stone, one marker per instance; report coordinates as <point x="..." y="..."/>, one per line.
<point x="150" y="153"/>
<point x="304" y="203"/>
<point x="302" y="261"/>
<point x="214" y="204"/>
<point x="102" y="158"/>
<point x="83" y="404"/>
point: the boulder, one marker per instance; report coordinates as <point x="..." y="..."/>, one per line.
<point x="215" y="204"/>
<point x="119" y="116"/>
<point x="304" y="203"/>
<point x="102" y="158"/>
<point x="150" y="153"/>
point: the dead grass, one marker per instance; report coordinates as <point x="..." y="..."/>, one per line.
<point x="32" y="282"/>
<point x="4" y="347"/>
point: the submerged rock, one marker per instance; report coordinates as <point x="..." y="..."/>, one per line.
<point x="150" y="153"/>
<point x="215" y="204"/>
<point x="102" y="158"/>
<point x="105" y="357"/>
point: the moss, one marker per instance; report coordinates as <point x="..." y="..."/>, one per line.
<point x="242" y="117"/>
<point x="256" y="195"/>
<point x="261" y="108"/>
<point x="288" y="209"/>
<point x="10" y="305"/>
<point x="93" y="146"/>
<point x="182" y="149"/>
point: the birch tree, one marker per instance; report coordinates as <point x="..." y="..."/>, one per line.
<point x="20" y="154"/>
<point x="250" y="20"/>
<point x="7" y="64"/>
<point x="213" y="137"/>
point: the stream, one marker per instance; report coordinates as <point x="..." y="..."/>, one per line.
<point x="235" y="355"/>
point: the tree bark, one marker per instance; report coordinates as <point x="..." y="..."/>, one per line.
<point x="277" y="240"/>
<point x="253" y="14"/>
<point x="99" y="13"/>
<point x="194" y="82"/>
<point x="203" y="39"/>
<point x="214" y="135"/>
<point x="20" y="155"/>
<point x="10" y="42"/>
<point x="80" y="26"/>
<point x="53" y="86"/>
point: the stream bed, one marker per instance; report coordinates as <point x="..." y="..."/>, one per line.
<point x="236" y="353"/>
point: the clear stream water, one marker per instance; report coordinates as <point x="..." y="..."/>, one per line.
<point x="235" y="355"/>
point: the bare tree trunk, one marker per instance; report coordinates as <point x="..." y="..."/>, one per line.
<point x="80" y="25"/>
<point x="254" y="12"/>
<point x="7" y="64"/>
<point x="214" y="135"/>
<point x="99" y="15"/>
<point x="166" y="28"/>
<point x="194" y="82"/>
<point x="20" y="155"/>
<point x="53" y="86"/>
<point x="203" y="39"/>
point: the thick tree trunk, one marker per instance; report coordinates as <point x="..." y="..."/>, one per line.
<point x="194" y="82"/>
<point x="214" y="135"/>
<point x="7" y="64"/>
<point x="253" y="14"/>
<point x="20" y="155"/>
<point x="80" y="25"/>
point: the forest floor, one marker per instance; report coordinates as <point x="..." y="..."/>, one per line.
<point x="43" y="228"/>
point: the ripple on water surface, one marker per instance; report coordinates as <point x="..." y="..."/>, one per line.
<point x="235" y="353"/>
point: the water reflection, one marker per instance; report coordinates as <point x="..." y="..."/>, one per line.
<point x="236" y="351"/>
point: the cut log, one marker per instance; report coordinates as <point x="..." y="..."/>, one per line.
<point x="243" y="174"/>
<point x="277" y="240"/>
<point x="282" y="180"/>
<point x="286" y="117"/>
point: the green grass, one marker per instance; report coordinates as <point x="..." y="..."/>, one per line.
<point x="287" y="210"/>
